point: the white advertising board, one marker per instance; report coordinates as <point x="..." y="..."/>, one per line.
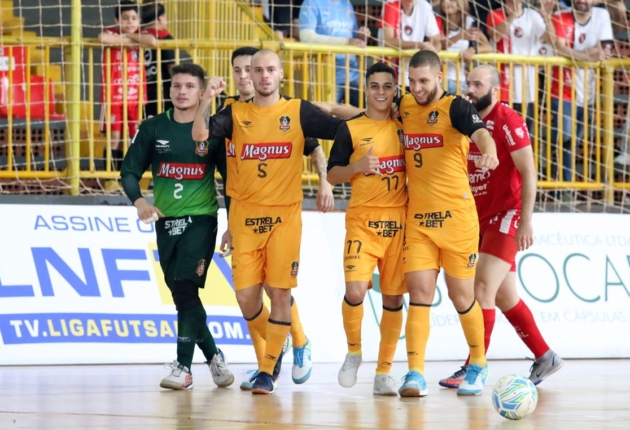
<point x="82" y="284"/>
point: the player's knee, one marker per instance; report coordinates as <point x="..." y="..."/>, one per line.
<point x="392" y="302"/>
<point x="461" y="299"/>
<point x="279" y="296"/>
<point x="185" y="294"/>
<point x="484" y="292"/>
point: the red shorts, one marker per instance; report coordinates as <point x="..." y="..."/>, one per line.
<point x="116" y="118"/>
<point x="497" y="236"/>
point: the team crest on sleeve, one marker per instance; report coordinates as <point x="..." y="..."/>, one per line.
<point x="201" y="267"/>
<point x="433" y="117"/>
<point x="476" y="119"/>
<point x="294" y="268"/>
<point x="471" y="260"/>
<point x="285" y="123"/>
<point x="202" y="148"/>
<point x="519" y="132"/>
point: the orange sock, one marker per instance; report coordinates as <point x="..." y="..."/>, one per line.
<point x="417" y="333"/>
<point x="391" y="324"/>
<point x="472" y="323"/>
<point x="352" y="319"/>
<point x="257" y="326"/>
<point x="277" y="332"/>
<point x="297" y="332"/>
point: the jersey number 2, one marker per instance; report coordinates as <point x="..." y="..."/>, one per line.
<point x="178" y="190"/>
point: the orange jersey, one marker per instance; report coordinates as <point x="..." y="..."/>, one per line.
<point x="268" y="144"/>
<point x="436" y="140"/>
<point x="353" y="140"/>
<point x="230" y="185"/>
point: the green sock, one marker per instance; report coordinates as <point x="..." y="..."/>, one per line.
<point x="204" y="337"/>
<point x="187" y="329"/>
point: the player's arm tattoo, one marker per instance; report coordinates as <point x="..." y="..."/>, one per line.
<point x="318" y="159"/>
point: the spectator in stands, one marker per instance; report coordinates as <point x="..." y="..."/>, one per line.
<point x="123" y="39"/>
<point x="519" y="30"/>
<point x="283" y="17"/>
<point x="583" y="33"/>
<point x="154" y="23"/>
<point x="410" y="24"/>
<point x="333" y="22"/>
<point x="460" y="33"/>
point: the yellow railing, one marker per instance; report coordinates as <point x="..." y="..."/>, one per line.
<point x="309" y="74"/>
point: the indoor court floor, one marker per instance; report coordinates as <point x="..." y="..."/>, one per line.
<point x="584" y="394"/>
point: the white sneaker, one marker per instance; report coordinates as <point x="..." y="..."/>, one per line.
<point x="180" y="377"/>
<point x="474" y="380"/>
<point x="221" y="374"/>
<point x="348" y="373"/>
<point x="302" y="364"/>
<point x="384" y="385"/>
<point x="545" y="366"/>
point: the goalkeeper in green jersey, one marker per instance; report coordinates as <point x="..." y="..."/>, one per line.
<point x="185" y="213"/>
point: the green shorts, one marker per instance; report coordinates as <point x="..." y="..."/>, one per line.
<point x="186" y="246"/>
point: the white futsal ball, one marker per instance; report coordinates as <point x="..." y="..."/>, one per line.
<point x="514" y="397"/>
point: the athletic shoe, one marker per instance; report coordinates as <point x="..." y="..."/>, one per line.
<point x="263" y="384"/>
<point x="414" y="385"/>
<point x="348" y="373"/>
<point x="384" y="385"/>
<point x="221" y="374"/>
<point x="180" y="377"/>
<point x="473" y="382"/>
<point x="249" y="384"/>
<point x="545" y="366"/>
<point x="455" y="379"/>
<point x="302" y="364"/>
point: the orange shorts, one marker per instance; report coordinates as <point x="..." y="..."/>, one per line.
<point x="374" y="237"/>
<point x="447" y="239"/>
<point x="116" y="119"/>
<point x="266" y="241"/>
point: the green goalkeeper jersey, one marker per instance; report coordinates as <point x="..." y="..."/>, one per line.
<point x="183" y="170"/>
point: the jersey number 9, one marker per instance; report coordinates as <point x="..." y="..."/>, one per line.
<point x="417" y="157"/>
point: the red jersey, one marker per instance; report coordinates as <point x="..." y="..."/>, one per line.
<point x="135" y="74"/>
<point x="499" y="190"/>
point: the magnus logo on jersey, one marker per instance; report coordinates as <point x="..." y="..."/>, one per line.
<point x="230" y="151"/>
<point x="391" y="165"/>
<point x="285" y="123"/>
<point x="201" y="148"/>
<point x="181" y="171"/>
<point x="264" y="151"/>
<point x="417" y="141"/>
<point x="433" y="117"/>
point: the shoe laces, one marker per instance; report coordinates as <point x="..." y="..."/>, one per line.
<point x="404" y="378"/>
<point x="175" y="367"/>
<point x="298" y="356"/>
<point x="535" y="365"/>
<point x="472" y="373"/>
<point x="459" y="374"/>
<point x="352" y="360"/>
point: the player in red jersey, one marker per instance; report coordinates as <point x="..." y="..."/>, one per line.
<point x="505" y="204"/>
<point x="123" y="40"/>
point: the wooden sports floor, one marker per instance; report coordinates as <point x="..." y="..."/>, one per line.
<point x="584" y="394"/>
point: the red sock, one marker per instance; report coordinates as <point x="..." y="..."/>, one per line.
<point x="523" y="321"/>
<point x="488" y="326"/>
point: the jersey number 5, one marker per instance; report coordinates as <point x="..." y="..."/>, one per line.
<point x="262" y="173"/>
<point x="177" y="193"/>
